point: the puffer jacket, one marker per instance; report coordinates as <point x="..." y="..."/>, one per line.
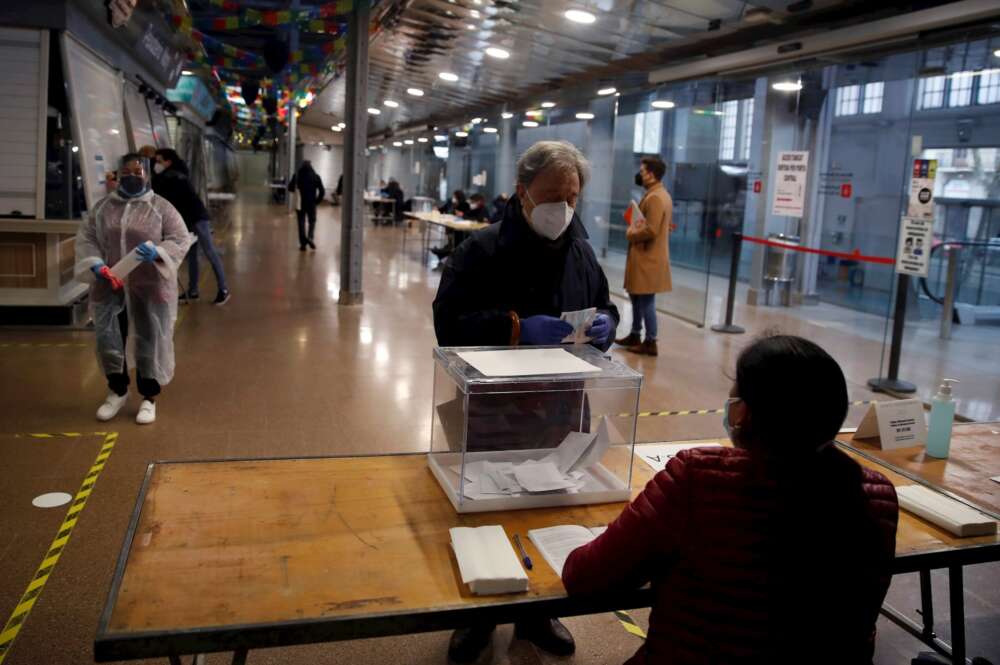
<point x="751" y="561"/>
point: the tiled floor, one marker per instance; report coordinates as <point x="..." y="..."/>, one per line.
<point x="283" y="370"/>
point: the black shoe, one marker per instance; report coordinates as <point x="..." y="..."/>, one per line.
<point x="546" y="634"/>
<point x="630" y="340"/>
<point x="311" y="244"/>
<point x="467" y="644"/>
<point x="302" y="248"/>
<point x="222" y="297"/>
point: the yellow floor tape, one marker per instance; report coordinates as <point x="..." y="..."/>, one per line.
<point x="703" y="412"/>
<point x="629" y="624"/>
<point x="51" y="558"/>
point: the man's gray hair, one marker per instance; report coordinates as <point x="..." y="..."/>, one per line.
<point x="562" y="155"/>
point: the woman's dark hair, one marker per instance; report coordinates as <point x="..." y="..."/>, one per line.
<point x="176" y="161"/>
<point x="654" y="165"/>
<point x="795" y="392"/>
<point x="459" y="194"/>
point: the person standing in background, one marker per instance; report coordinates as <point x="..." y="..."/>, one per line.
<point x="307" y="183"/>
<point x="647" y="268"/>
<point x="171" y="180"/>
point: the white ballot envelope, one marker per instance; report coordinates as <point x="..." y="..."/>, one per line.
<point x="128" y="263"/>
<point x="580" y="320"/>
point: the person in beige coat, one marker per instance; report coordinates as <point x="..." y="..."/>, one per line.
<point x="647" y="268"/>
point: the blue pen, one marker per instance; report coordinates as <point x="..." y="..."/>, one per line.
<point x="525" y="559"/>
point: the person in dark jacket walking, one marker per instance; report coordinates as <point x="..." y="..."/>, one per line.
<point x="310" y="192"/>
<point x="777" y="550"/>
<point x="508" y="284"/>
<point x="171" y="181"/>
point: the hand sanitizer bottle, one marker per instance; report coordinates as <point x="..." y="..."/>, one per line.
<point x="942" y="415"/>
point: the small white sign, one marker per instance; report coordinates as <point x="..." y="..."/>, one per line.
<point x="914" y="251"/>
<point x="656" y="455"/>
<point x="898" y="424"/>
<point x="922" y="189"/>
<point x="790" y="177"/>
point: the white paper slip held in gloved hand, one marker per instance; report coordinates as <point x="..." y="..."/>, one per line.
<point x="128" y="263"/>
<point x="947" y="513"/>
<point x="487" y="560"/>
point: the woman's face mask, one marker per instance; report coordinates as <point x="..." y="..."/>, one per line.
<point x="638" y="179"/>
<point x="159" y="168"/>
<point x="131" y="186"/>
<point x="549" y="220"/>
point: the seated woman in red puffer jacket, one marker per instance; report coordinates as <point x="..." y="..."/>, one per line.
<point x="777" y="550"/>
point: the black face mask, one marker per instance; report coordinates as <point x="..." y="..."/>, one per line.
<point x="130" y="186"/>
<point x="638" y="180"/>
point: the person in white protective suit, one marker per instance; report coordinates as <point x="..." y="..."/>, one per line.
<point x="140" y="307"/>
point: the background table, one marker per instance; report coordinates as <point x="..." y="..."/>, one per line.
<point x="234" y="555"/>
<point x="444" y="221"/>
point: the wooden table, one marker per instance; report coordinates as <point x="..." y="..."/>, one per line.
<point x="239" y="555"/>
<point x="374" y="201"/>
<point x="445" y="221"/>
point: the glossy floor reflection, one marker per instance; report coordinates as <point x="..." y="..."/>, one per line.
<point x="284" y="370"/>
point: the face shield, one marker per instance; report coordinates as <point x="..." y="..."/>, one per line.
<point x="133" y="176"/>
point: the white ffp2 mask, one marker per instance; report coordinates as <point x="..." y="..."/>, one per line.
<point x="550" y="220"/>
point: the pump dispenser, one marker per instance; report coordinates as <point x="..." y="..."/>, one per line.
<point x="942" y="415"/>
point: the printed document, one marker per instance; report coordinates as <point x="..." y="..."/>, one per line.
<point x="657" y="455"/>
<point x="556" y="542"/>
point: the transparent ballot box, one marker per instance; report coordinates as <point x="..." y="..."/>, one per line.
<point x="527" y="427"/>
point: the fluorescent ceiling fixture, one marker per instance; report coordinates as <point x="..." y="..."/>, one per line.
<point x="76" y="148"/>
<point x="416" y="92"/>
<point x="408" y="141"/>
<point x="422" y="139"/>
<point x="662" y="104"/>
<point x="476" y="121"/>
<point x="496" y="52"/>
<point x="548" y="105"/>
<point x="997" y="53"/>
<point x="440" y="137"/>
<point x="533" y="112"/>
<point x="580" y="16"/>
<point x="187" y="72"/>
<point x="371" y="147"/>
<point x="391" y="104"/>
<point x="342" y="125"/>
<point x="584" y="116"/>
<point x="490" y="130"/>
<point x="474" y="13"/>
<point x="336" y="128"/>
<point x="470" y="26"/>
<point x="321" y="143"/>
<point x="373" y="110"/>
<point x="461" y="135"/>
<point x="398" y="144"/>
<point x="787" y="86"/>
<point x="506" y="115"/>
<point x="448" y="76"/>
<point x="607" y="91"/>
<point x="530" y="123"/>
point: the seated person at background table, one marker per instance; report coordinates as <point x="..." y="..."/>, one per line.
<point x="777" y="550"/>
<point x="499" y="203"/>
<point x="458" y="206"/>
<point x="508" y="285"/>
<point x="477" y="209"/>
<point x="395" y="192"/>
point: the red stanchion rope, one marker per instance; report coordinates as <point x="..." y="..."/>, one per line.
<point x="856" y="255"/>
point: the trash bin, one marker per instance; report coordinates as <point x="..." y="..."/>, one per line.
<point x="780" y="265"/>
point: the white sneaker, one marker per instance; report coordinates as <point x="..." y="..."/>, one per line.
<point x="112" y="405"/>
<point x="147" y="413"/>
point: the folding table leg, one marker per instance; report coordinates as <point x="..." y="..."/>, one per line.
<point x="240" y="657"/>
<point x="927" y="604"/>
<point x="956" y="592"/>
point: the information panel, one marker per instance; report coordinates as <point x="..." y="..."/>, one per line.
<point x="790" y="178"/>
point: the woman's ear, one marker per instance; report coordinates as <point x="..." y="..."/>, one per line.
<point x="739" y="415"/>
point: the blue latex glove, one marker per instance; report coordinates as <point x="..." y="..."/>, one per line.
<point x="147" y="253"/>
<point x="541" y="330"/>
<point x="600" y="330"/>
<point x="96" y="268"/>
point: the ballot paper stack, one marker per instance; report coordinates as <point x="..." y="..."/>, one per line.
<point x="487" y="561"/>
<point x="561" y="471"/>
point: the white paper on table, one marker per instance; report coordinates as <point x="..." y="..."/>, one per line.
<point x="527" y="362"/>
<point x="570" y="450"/>
<point x="541" y="477"/>
<point x="487" y="561"/>
<point x="128" y="263"/>
<point x="657" y="455"/>
<point x="501" y="475"/>
<point x="595" y="452"/>
<point x="995" y="479"/>
<point x="580" y="320"/>
<point x="472" y="470"/>
<point x="556" y="542"/>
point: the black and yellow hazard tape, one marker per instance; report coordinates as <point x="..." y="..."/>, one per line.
<point x="629" y="624"/>
<point x="702" y="412"/>
<point x="42" y="345"/>
<point x="57" y="435"/>
<point x="51" y="558"/>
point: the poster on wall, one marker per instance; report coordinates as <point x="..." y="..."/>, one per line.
<point x="790" y="177"/>
<point x="922" y="189"/>
<point x="913" y="254"/>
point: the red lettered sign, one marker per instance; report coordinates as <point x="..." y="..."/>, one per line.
<point x="845" y="190"/>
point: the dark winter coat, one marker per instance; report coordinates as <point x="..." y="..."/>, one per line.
<point x="508" y="267"/>
<point x="310" y="188"/>
<point x="175" y="186"/>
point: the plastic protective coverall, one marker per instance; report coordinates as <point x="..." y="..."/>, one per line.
<point x="111" y="231"/>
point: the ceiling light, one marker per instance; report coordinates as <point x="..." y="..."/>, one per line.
<point x="321" y="143"/>
<point x="422" y="139"/>
<point x="997" y="53"/>
<point x="580" y="16"/>
<point x="662" y="104"/>
<point x="448" y="76"/>
<point x="373" y="110"/>
<point x="530" y="123"/>
<point x="408" y="141"/>
<point x="469" y="26"/>
<point x="187" y="72"/>
<point x="607" y="91"/>
<point x="416" y="92"/>
<point x="461" y="135"/>
<point x="371" y="147"/>
<point x="474" y="13"/>
<point x="584" y="116"/>
<point x="490" y="130"/>
<point x="495" y="52"/>
<point x="476" y="121"/>
<point x="398" y="144"/>
<point x="440" y="137"/>
<point x="787" y="86"/>
<point x="342" y="125"/>
<point x="548" y="105"/>
<point x="506" y="115"/>
<point x="76" y="148"/>
<point x="337" y="128"/>
<point x="391" y="104"/>
<point x="533" y="112"/>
